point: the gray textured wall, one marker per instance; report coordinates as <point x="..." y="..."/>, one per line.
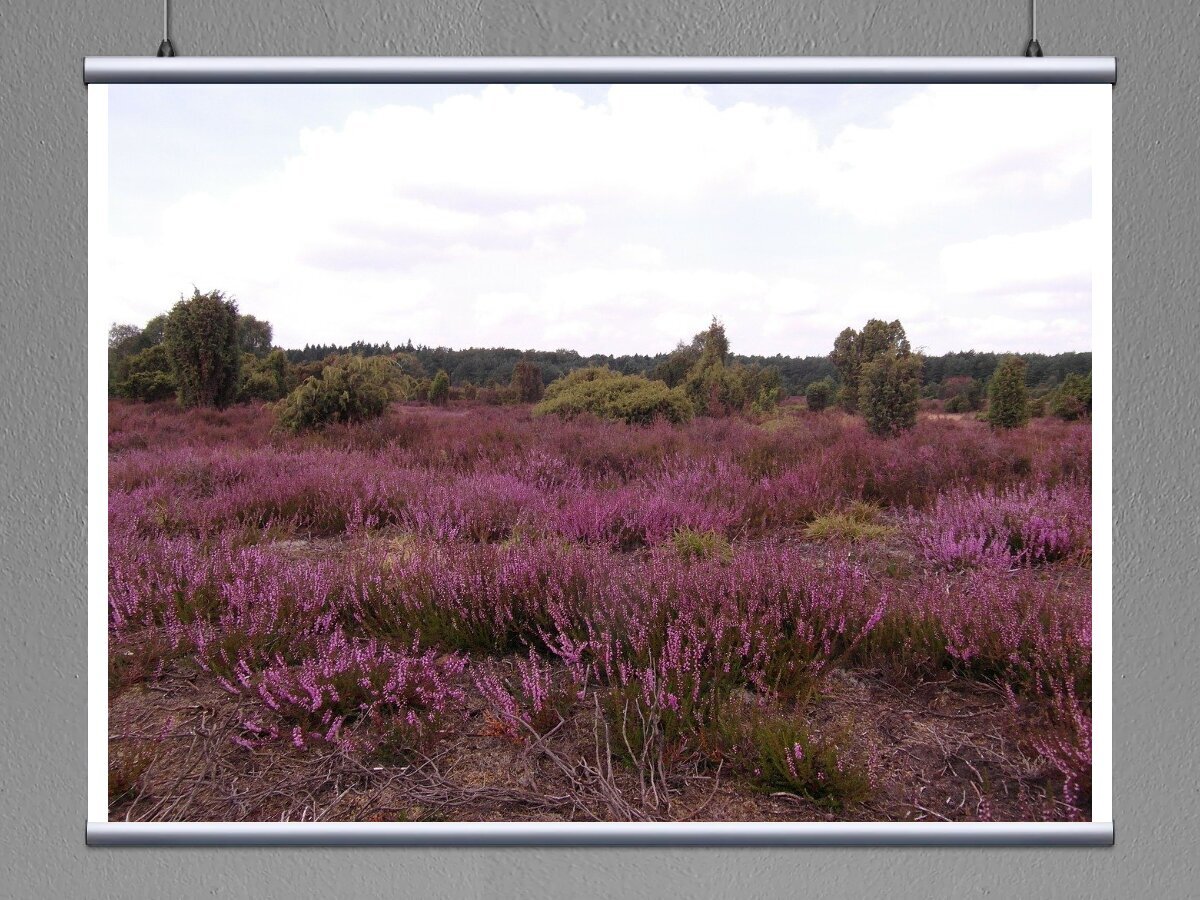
<point x="42" y="435"/>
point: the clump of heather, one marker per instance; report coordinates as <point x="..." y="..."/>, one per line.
<point x="534" y="701"/>
<point x="355" y="694"/>
<point x="1067" y="749"/>
<point x="783" y="755"/>
<point x="1026" y="525"/>
<point x="1024" y="626"/>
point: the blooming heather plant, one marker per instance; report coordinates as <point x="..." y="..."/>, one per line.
<point x="351" y="585"/>
<point x="352" y="693"/>
<point x="1017" y="526"/>
<point x="785" y="756"/>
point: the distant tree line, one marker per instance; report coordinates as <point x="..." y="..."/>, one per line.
<point x="491" y="366"/>
<point x="204" y="352"/>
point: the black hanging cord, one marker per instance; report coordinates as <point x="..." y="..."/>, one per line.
<point x="166" y="48"/>
<point x="1033" y="48"/>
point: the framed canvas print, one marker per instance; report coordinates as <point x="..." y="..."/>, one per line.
<point x="600" y="451"/>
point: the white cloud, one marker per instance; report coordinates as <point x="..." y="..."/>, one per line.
<point x="1038" y="263"/>
<point x="529" y="216"/>
<point x="955" y="144"/>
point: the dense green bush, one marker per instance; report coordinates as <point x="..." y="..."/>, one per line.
<point x="1073" y="400"/>
<point x="145" y="376"/>
<point x="610" y="395"/>
<point x="527" y="382"/>
<point x="819" y="394"/>
<point x="349" y="389"/>
<point x="854" y="350"/>
<point x="889" y="393"/>
<point x="963" y="392"/>
<point x="1008" y="398"/>
<point x="203" y="343"/>
<point x="714" y="384"/>
<point x="439" y="389"/>
<point x="267" y="378"/>
<point x="958" y="404"/>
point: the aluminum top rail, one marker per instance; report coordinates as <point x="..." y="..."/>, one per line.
<point x="600" y="70"/>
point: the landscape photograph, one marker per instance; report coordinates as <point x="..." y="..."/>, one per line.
<point x="599" y="453"/>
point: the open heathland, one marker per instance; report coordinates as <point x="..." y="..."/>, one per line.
<point x="470" y="612"/>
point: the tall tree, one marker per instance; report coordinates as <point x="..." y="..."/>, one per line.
<point x="1008" y="398"/>
<point x="853" y="350"/>
<point x="527" y="382"/>
<point x="889" y="391"/>
<point x="201" y="338"/>
<point x="254" y="335"/>
<point x="439" y="389"/>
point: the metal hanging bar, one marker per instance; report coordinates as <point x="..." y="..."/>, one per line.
<point x="602" y="70"/>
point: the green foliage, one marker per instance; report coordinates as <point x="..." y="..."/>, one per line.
<point x="145" y="376"/>
<point x="202" y="341"/>
<point x="610" y="395"/>
<point x="957" y="404"/>
<point x="713" y="389"/>
<point x="409" y="364"/>
<point x="265" y="378"/>
<point x="788" y="758"/>
<point x="889" y="392"/>
<point x="125" y="342"/>
<point x="762" y="385"/>
<point x="673" y="370"/>
<point x="854" y="350"/>
<point x="819" y="394"/>
<point x="492" y="366"/>
<point x="527" y="382"/>
<point x="350" y="389"/>
<point x="701" y="545"/>
<point x="1008" y="398"/>
<point x="963" y="393"/>
<point x="254" y="336"/>
<point x="1073" y="400"/>
<point x="715" y="385"/>
<point x="439" y="389"/>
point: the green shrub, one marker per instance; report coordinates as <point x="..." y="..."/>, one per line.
<point x="889" y="392"/>
<point x="819" y="394"/>
<point x="1073" y="400"/>
<point x="1008" y="398"/>
<point x="787" y="758"/>
<point x="439" y="388"/>
<point x="203" y="343"/>
<point x="527" y="382"/>
<point x="145" y="376"/>
<point x="265" y="378"/>
<point x="349" y="389"/>
<point x="958" y="404"/>
<point x="610" y="395"/>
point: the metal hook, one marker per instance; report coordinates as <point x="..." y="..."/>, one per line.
<point x="1033" y="48"/>
<point x="166" y="48"/>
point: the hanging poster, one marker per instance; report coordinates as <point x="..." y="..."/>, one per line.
<point x="600" y="452"/>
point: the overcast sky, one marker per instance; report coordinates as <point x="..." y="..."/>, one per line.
<point x="610" y="219"/>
